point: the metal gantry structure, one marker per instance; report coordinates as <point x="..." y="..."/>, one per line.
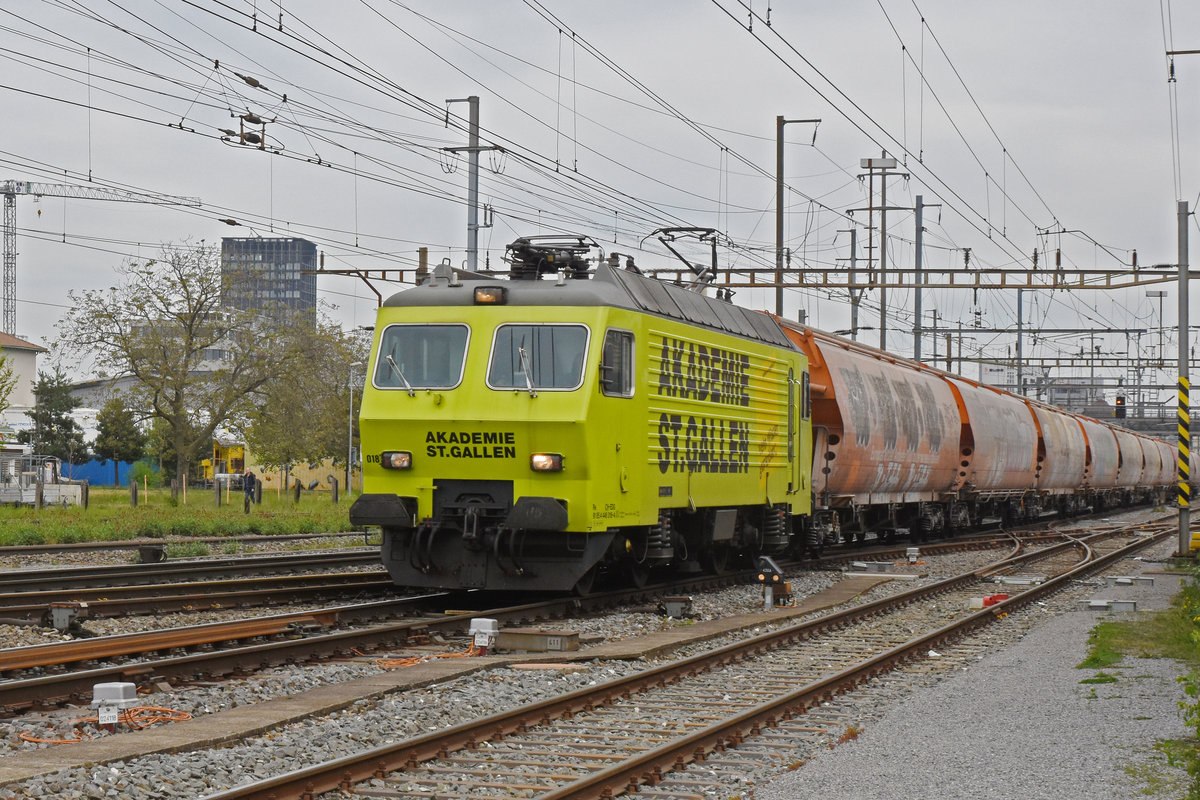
<point x="13" y="188"/>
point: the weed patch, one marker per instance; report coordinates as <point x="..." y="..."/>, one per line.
<point x="110" y="517"/>
<point x="187" y="550"/>
<point x="1101" y="677"/>
<point x="1173" y="633"/>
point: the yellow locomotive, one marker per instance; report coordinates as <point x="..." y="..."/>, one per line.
<point x="534" y="432"/>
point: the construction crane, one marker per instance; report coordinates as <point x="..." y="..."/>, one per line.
<point x="10" y="190"/>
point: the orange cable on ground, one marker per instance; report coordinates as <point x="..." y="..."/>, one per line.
<point x="397" y="663"/>
<point x="26" y="736"/>
<point x="136" y="718"/>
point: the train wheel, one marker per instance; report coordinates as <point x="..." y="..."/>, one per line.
<point x="583" y="587"/>
<point x="636" y="574"/>
<point x="716" y="560"/>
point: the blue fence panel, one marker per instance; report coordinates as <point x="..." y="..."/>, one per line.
<point x="98" y="473"/>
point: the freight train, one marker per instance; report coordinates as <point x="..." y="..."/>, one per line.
<point x="579" y="419"/>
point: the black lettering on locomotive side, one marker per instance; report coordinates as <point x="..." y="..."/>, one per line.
<point x="664" y="371"/>
<point x="692" y="445"/>
<point x="702" y="444"/>
<point x="745" y="379"/>
<point x="715" y="359"/>
<point x="664" y="443"/>
<point x="677" y="379"/>
<point x="702" y="369"/>
<point x="718" y="445"/>
<point x="744" y="446"/>
<point x="676" y="425"/>
<point x="690" y="383"/>
<point x="692" y="371"/>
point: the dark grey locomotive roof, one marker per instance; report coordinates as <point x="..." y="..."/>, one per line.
<point x="607" y="287"/>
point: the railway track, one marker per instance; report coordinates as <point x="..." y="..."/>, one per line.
<point x="52" y="578"/>
<point x="159" y="598"/>
<point x="40" y="675"/>
<point x="645" y="731"/>
<point x="135" y="544"/>
<point x="66" y="671"/>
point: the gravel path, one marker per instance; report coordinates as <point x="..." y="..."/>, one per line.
<point x="1019" y="724"/>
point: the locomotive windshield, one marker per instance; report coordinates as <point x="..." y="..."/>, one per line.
<point x="421" y="356"/>
<point x="538" y="357"/>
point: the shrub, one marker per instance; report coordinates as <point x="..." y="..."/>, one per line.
<point x="151" y="529"/>
<point x="27" y="537"/>
<point x="144" y="474"/>
<point x="72" y="536"/>
<point x="187" y="549"/>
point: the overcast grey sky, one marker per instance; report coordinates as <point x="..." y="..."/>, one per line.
<point x="617" y="118"/>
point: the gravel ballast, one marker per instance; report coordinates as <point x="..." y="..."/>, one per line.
<point x="974" y="716"/>
<point x="1019" y="724"/>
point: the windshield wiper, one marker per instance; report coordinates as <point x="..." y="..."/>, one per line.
<point x="396" y="369"/>
<point x="525" y="369"/>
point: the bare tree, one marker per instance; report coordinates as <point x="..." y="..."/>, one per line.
<point x="196" y="362"/>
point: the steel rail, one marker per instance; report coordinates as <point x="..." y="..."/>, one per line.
<point x="646" y="769"/>
<point x="342" y="773"/>
<point x="68" y="577"/>
<point x="118" y="601"/>
<point x="27" y="692"/>
<point x="134" y="544"/>
<point x="69" y="652"/>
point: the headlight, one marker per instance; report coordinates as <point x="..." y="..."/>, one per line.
<point x="396" y="459"/>
<point x="546" y="462"/>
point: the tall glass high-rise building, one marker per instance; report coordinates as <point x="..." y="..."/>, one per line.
<point x="265" y="274"/>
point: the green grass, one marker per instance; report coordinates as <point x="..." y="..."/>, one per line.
<point x="1173" y="633"/>
<point x="1101" y="677"/>
<point x="1164" y="634"/>
<point x="1163" y="774"/>
<point x="109" y="517"/>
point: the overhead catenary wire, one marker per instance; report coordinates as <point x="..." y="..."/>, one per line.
<point x="562" y="204"/>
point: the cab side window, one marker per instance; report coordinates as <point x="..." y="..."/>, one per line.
<point x="616" y="364"/>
